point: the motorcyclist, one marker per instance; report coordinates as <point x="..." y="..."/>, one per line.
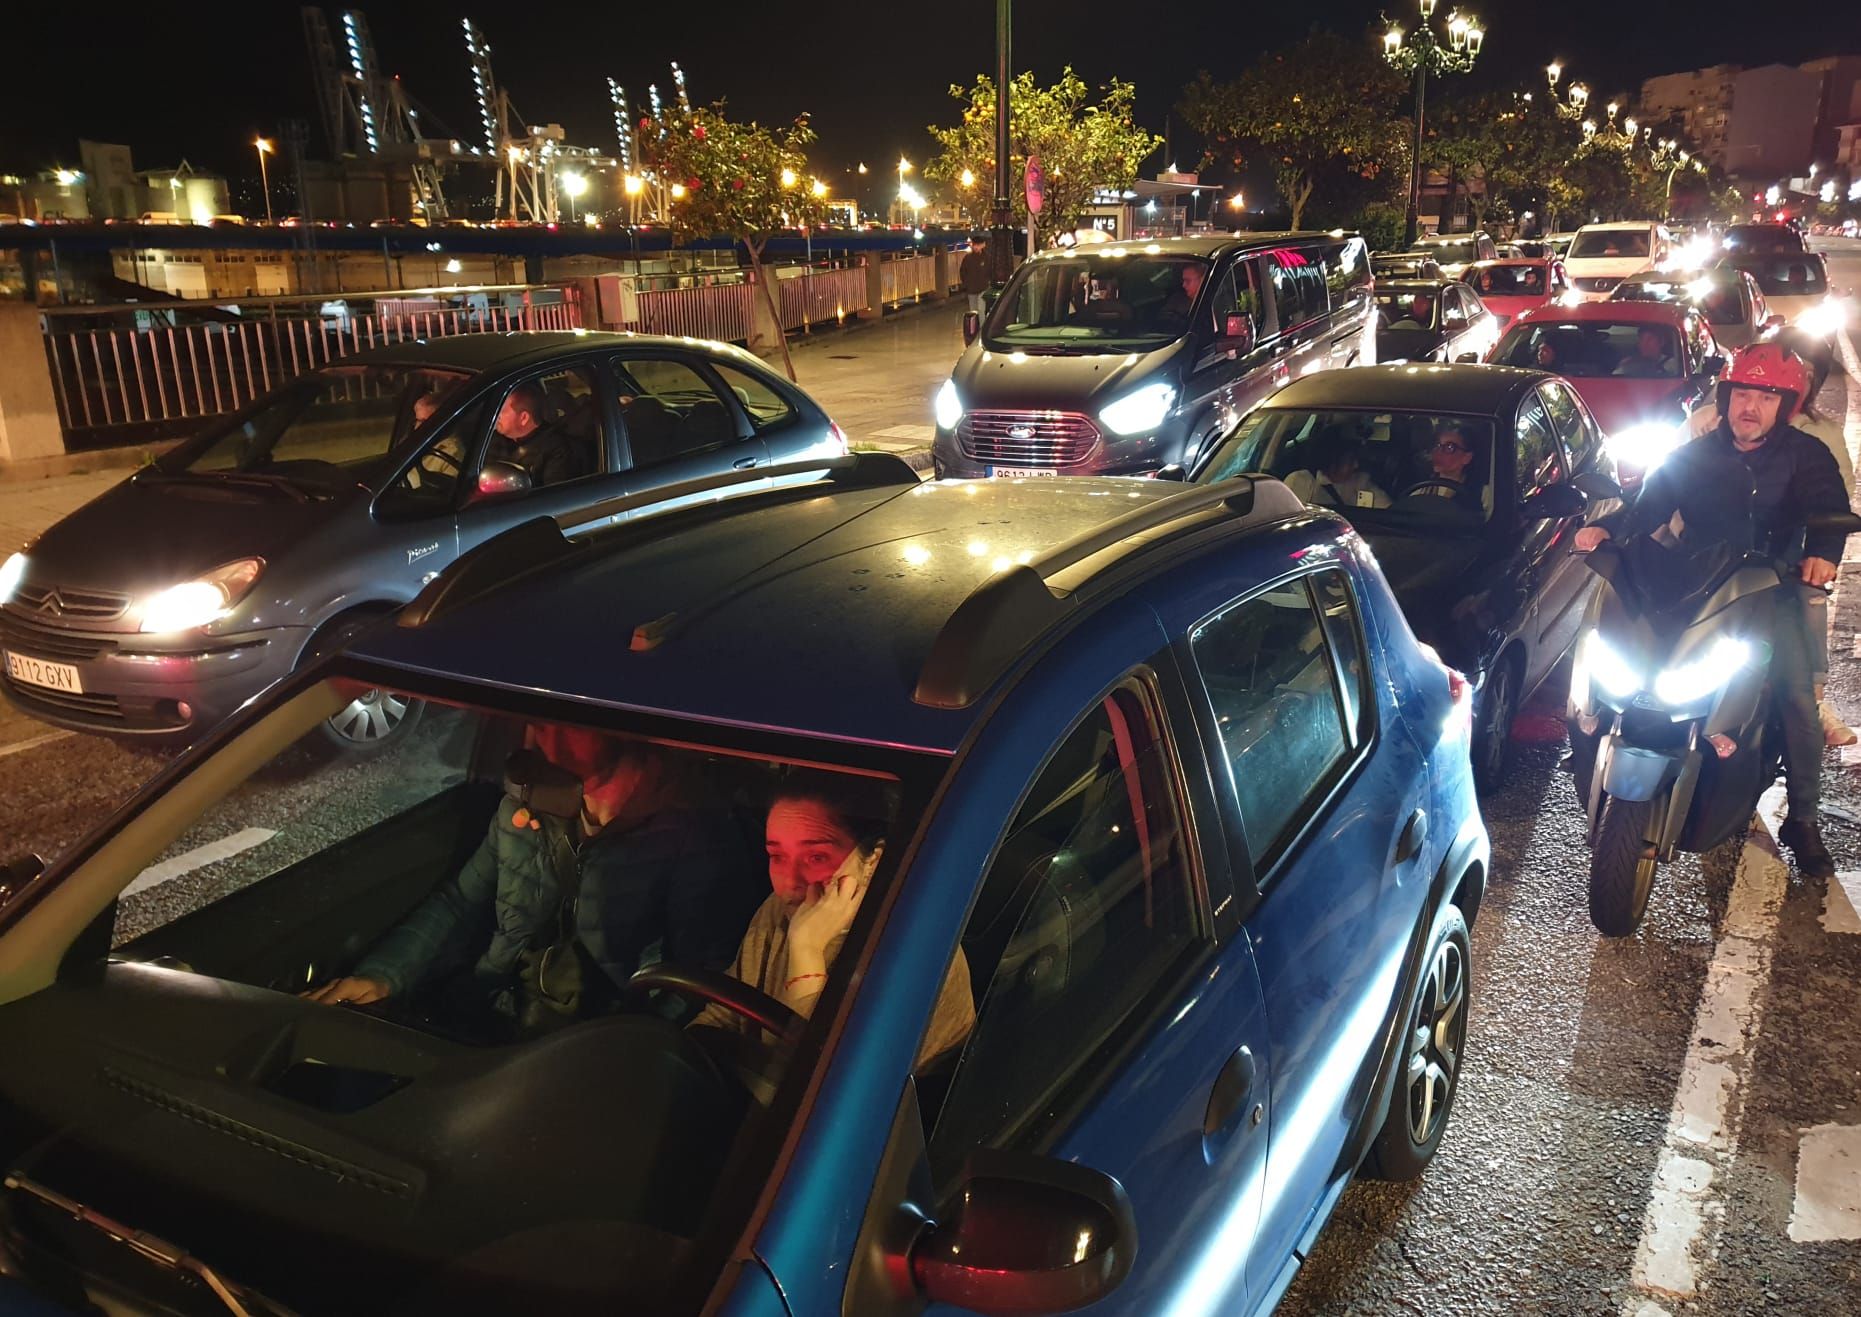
<point x="1793" y="478"/>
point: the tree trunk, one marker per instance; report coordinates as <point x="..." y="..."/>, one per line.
<point x="760" y="274"/>
<point x="1300" y="194"/>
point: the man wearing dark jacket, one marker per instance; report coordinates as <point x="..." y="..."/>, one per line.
<point x="525" y="439"/>
<point x="1791" y="478"/>
<point x="974" y="272"/>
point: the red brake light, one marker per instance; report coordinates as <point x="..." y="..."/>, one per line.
<point x="1457" y="687"/>
<point x="839" y="437"/>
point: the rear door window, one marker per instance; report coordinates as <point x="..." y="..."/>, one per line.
<point x="1298" y="285"/>
<point x="670" y="410"/>
<point x="765" y="407"/>
<point x="1537" y="461"/>
<point x="1567" y="420"/>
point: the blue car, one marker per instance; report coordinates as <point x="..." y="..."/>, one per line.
<point x="850" y="895"/>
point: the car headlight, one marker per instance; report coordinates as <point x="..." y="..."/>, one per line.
<point x="1600" y="662"/>
<point x="1140" y="410"/>
<point x="202" y="600"/>
<point x="12" y="572"/>
<point x="949" y="407"/>
<point x="1647" y="445"/>
<point x="1823" y="319"/>
<point x="1688" y="683"/>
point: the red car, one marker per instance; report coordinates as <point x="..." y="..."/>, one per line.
<point x="1514" y="285"/>
<point x="1641" y="366"/>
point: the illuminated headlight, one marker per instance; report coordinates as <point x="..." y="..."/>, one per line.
<point x="1141" y="410"/>
<point x="200" y="601"/>
<point x="12" y="571"/>
<point x="1572" y="297"/>
<point x="1823" y="319"/>
<point x="949" y="407"/>
<point x="1605" y="667"/>
<point x="1690" y="682"/>
<point x="1646" y="446"/>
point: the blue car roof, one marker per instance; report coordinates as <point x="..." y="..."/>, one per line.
<point x="801" y="612"/>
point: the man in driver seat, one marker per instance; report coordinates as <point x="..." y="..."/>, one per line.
<point x="524" y="438"/>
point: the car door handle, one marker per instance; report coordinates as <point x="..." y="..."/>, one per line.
<point x="1414" y="837"/>
<point x="1233" y="1086"/>
<point x="743" y="464"/>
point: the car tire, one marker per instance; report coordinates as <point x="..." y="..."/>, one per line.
<point x="1433" y="1049"/>
<point x="374" y="720"/>
<point x="1497" y="710"/>
<point x="1622" y="867"/>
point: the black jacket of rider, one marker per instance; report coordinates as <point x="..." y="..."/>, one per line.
<point x="1791" y="477"/>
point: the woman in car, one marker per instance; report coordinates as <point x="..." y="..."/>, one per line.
<point x="1337" y="479"/>
<point x="823" y="839"/>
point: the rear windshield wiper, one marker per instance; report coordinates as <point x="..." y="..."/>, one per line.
<point x="239" y="1300"/>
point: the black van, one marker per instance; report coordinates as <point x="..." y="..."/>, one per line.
<point x="1123" y="357"/>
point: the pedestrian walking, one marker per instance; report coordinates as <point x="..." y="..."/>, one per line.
<point x="975" y="273"/>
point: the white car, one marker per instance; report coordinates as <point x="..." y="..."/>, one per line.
<point x="1796" y="286"/>
<point x="1603" y="255"/>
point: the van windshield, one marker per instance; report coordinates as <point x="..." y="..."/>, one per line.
<point x="1605" y="244"/>
<point x="1119" y="298"/>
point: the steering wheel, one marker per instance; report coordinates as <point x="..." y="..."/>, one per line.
<point x="714" y="987"/>
<point x="1436" y="486"/>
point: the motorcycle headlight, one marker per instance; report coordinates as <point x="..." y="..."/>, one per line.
<point x="1692" y="681"/>
<point x="202" y="600"/>
<point x="1605" y="666"/>
<point x="12" y="572"/>
<point x="949" y="407"/>
<point x="1140" y="410"/>
<point x="1646" y="446"/>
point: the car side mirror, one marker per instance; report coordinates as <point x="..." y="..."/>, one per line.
<point x="501" y="480"/>
<point x="16" y="873"/>
<point x="1711" y="367"/>
<point x="1596" y="486"/>
<point x="1238" y="329"/>
<point x="1554" y="503"/>
<point x="1174" y="471"/>
<point x="972" y="327"/>
<point x="1026" y="1234"/>
<point x="1775" y="321"/>
<point x="1468" y="357"/>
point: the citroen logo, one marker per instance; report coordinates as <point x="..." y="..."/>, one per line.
<point x="53" y="603"/>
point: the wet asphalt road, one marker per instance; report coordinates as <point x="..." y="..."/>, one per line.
<point x="1576" y="1045"/>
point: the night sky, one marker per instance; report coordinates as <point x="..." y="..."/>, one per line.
<point x="200" y="80"/>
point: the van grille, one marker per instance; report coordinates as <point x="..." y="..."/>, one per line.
<point x="1027" y="438"/>
<point x="1598" y="283"/>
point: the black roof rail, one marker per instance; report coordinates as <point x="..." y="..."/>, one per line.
<point x="532" y="545"/>
<point x="1001" y="618"/>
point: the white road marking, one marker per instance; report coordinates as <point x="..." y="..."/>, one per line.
<point x="919" y="434"/>
<point x="1828" y="1185"/>
<point x="20" y="747"/>
<point x="1841" y="905"/>
<point x="1679" y="1231"/>
<point x="188" y="861"/>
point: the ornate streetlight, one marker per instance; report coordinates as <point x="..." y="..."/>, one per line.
<point x="1576" y="96"/>
<point x="1670" y="158"/>
<point x="1421" y="54"/>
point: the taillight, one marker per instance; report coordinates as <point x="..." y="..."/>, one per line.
<point x="839" y="437"/>
<point x="1460" y="695"/>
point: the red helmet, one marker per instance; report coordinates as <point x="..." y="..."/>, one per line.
<point x="1773" y="368"/>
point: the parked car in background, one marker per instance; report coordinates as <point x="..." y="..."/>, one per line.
<point x="1795" y="285"/>
<point x="1468" y="483"/>
<point x="1405" y="265"/>
<point x="1559" y="243"/>
<point x="275" y="534"/>
<point x="1432" y="320"/>
<point x="1456" y="251"/>
<point x="1125" y="357"/>
<point x="1510" y="287"/>
<point x="1640" y="367"/>
<point x="1603" y="255"/>
<point x="1166" y="846"/>
<point x="1728" y="297"/>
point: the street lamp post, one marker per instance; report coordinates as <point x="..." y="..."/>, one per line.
<point x="264" y="177"/>
<point x="574" y="185"/>
<point x="1002" y="219"/>
<point x="1422" y="54"/>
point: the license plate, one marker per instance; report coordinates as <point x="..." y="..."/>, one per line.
<point x="1011" y="472"/>
<point x="37" y="672"/>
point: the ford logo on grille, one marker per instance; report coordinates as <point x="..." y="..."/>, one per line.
<point x="1020" y="432"/>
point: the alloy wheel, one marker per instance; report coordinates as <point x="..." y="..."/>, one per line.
<point x="371" y="717"/>
<point x="1435" y="1041"/>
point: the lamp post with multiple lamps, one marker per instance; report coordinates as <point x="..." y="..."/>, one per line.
<point x="1422" y="54"/>
<point x="1576" y="96"/>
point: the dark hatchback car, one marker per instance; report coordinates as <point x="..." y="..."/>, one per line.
<point x="1469" y="483"/>
<point x="1156" y="777"/>
<point x="164" y="604"/>
<point x="1432" y="320"/>
<point x="1124" y="357"/>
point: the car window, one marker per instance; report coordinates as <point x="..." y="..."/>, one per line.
<point x="1344" y="631"/>
<point x="1268" y="671"/>
<point x="669" y="411"/>
<point x="1088" y="908"/>
<point x="1591" y="349"/>
<point x="1298" y="285"/>
<point x="1537" y="462"/>
<point x="1786" y="274"/>
<point x="433" y="481"/>
<point x="1407" y="308"/>
<point x="1453" y="309"/>
<point x="553" y="426"/>
<point x="1567" y="420"/>
<point x="1347" y="269"/>
<point x="1237" y="293"/>
<point x="1607" y="244"/>
<point x="766" y="407"/>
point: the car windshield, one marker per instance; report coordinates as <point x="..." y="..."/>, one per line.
<point x="1590" y="349"/>
<point x="331" y="425"/>
<point x="1408" y="308"/>
<point x="1510" y="280"/>
<point x="1607" y="243"/>
<point x="1397" y="468"/>
<point x="1113" y="298"/>
<point x="1453" y="251"/>
<point x="409" y="971"/>
<point x="1787" y="274"/>
<point x="1717" y="297"/>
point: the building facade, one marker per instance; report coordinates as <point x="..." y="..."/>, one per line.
<point x="1700" y="101"/>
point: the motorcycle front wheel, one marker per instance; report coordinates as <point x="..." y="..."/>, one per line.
<point x="1622" y="867"/>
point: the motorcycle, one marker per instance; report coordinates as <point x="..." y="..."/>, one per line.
<point x="1672" y="728"/>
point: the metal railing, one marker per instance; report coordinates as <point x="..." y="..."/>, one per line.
<point x="142" y="380"/>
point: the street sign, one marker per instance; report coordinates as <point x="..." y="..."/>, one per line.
<point x="1036" y="185"/>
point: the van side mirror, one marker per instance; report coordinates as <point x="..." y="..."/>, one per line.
<point x="1026" y="1234"/>
<point x="1554" y="503"/>
<point x="972" y="326"/>
<point x="501" y="480"/>
<point x="1238" y="329"/>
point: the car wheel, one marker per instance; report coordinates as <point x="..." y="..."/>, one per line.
<point x="375" y="719"/>
<point x="1433" y="1046"/>
<point x="1492" y="744"/>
